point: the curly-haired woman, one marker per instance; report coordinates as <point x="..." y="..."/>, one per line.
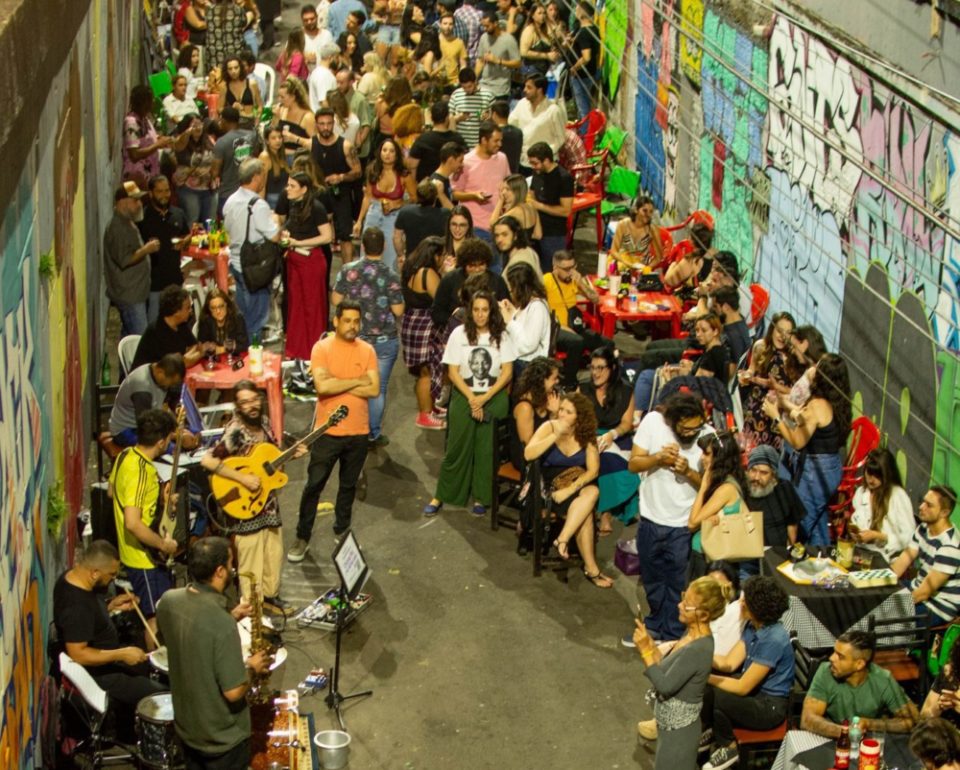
<point x="479" y="357"/>
<point x="565" y="443"/>
<point x="757" y="698"/>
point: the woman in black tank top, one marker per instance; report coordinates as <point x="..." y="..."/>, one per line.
<point x="813" y="444"/>
<point x="240" y="92"/>
<point x="294" y="117"/>
<point x="421" y="341"/>
<point x="275" y="163"/>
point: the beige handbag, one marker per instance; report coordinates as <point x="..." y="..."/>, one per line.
<point x="738" y="536"/>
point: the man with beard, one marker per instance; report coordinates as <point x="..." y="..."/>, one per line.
<point x="776" y="499"/>
<point x="162" y="222"/>
<point x="315" y="34"/>
<point x="666" y="453"/>
<point x="563" y="286"/>
<point x="345" y="374"/>
<point x="854" y="686"/>
<point x="259" y="541"/>
<point x="126" y="268"/>
<point x="339" y="160"/>
<point x="936" y="587"/>
<point x="81" y="614"/>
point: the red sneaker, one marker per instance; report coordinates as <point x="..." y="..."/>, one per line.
<point x="427" y="421"/>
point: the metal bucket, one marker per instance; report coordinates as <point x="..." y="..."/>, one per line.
<point x="334" y="748"/>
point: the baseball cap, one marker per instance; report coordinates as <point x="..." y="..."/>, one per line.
<point x="128" y="189"/>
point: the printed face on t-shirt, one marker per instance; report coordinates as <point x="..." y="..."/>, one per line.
<point x="480" y="364"/>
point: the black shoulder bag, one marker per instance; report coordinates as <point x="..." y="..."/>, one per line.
<point x="259" y="262"/>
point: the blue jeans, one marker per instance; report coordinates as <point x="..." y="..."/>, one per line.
<point x="254" y="306"/>
<point x="198" y="205"/>
<point x="643" y="389"/>
<point x="582" y="94"/>
<point x="818" y="480"/>
<point x="387" y="353"/>
<point x="153" y="306"/>
<point x="664" y="553"/>
<point x="133" y="318"/>
<point x="386" y="222"/>
<point x="253" y="42"/>
<point x="550" y="245"/>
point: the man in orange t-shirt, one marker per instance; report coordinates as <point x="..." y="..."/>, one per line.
<point x="345" y="374"/>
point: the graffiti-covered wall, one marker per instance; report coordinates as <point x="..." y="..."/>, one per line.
<point x="834" y="192"/>
<point x="50" y="326"/>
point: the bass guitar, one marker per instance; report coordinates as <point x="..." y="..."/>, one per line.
<point x="165" y="523"/>
<point x="264" y="462"/>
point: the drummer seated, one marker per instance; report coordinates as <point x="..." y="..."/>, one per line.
<point x="852" y="685"/>
<point x="82" y="616"/>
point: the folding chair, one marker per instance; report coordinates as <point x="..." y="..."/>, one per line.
<point x="90" y="702"/>
<point x="506" y="478"/>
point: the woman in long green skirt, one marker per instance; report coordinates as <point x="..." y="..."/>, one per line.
<point x="479" y="357"/>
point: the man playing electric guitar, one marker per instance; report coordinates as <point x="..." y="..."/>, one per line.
<point x="135" y="489"/>
<point x="259" y="542"/>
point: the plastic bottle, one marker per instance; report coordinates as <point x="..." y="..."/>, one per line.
<point x="856" y="735"/>
<point x="255" y="359"/>
<point x="841" y="759"/>
<point x="105" y="370"/>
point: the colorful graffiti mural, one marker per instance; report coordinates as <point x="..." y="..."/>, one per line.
<point x="832" y="190"/>
<point x="47" y="324"/>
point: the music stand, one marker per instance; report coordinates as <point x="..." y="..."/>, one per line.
<point x="353" y="572"/>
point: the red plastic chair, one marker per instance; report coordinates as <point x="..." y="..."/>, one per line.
<point x="759" y="306"/>
<point x="594" y="121"/>
<point x="864" y="438"/>
<point x="592" y="177"/>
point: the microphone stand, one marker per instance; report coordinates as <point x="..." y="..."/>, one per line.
<point x="334" y="698"/>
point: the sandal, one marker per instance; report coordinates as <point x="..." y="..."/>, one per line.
<point x="561" y="546"/>
<point x="598" y="578"/>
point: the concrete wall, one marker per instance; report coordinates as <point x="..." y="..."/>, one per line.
<point x="58" y="199"/>
<point x="837" y="192"/>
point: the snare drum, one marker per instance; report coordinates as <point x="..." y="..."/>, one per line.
<point x="158" y="746"/>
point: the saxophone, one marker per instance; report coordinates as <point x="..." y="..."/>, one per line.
<point x="259" y="691"/>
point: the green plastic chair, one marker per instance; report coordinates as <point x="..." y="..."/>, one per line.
<point x="161" y="83"/>
<point x="613" y="139"/>
<point x="623" y="181"/>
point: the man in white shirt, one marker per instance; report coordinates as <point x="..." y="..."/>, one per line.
<point x="322" y="80"/>
<point x="666" y="453"/>
<point x="254" y="306"/>
<point x="540" y="119"/>
<point x="315" y="32"/>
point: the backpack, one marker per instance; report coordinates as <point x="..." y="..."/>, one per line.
<point x="180" y="31"/>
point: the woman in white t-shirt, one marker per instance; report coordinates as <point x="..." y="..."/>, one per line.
<point x="479" y="358"/>
<point x="527" y="314"/>
<point x="882" y="518"/>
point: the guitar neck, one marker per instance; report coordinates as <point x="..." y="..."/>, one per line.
<point x="306" y="441"/>
<point x="173" y="474"/>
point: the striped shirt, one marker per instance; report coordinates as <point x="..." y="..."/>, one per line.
<point x="940" y="553"/>
<point x="475" y="105"/>
<point x="134" y="484"/>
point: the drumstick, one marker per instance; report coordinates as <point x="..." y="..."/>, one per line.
<point x="143" y="620"/>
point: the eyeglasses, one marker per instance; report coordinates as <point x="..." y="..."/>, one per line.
<point x="599" y="368"/>
<point x="459" y="224"/>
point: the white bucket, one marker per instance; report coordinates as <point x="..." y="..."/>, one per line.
<point x="334" y="748"/>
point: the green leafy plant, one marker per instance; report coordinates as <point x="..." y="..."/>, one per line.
<point x="48" y="265"/>
<point x="56" y="509"/>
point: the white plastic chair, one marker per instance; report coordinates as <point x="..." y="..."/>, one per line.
<point x="126" y="351"/>
<point x="92" y="710"/>
<point x="269" y="76"/>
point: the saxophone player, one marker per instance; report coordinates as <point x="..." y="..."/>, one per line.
<point x="209" y="679"/>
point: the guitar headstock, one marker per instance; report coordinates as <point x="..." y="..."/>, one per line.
<point x="338" y="414"/>
<point x="181" y="416"/>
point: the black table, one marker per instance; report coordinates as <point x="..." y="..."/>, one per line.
<point x="896" y="755"/>
<point x="819" y="615"/>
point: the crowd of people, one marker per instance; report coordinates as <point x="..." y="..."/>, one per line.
<point x="416" y="143"/>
